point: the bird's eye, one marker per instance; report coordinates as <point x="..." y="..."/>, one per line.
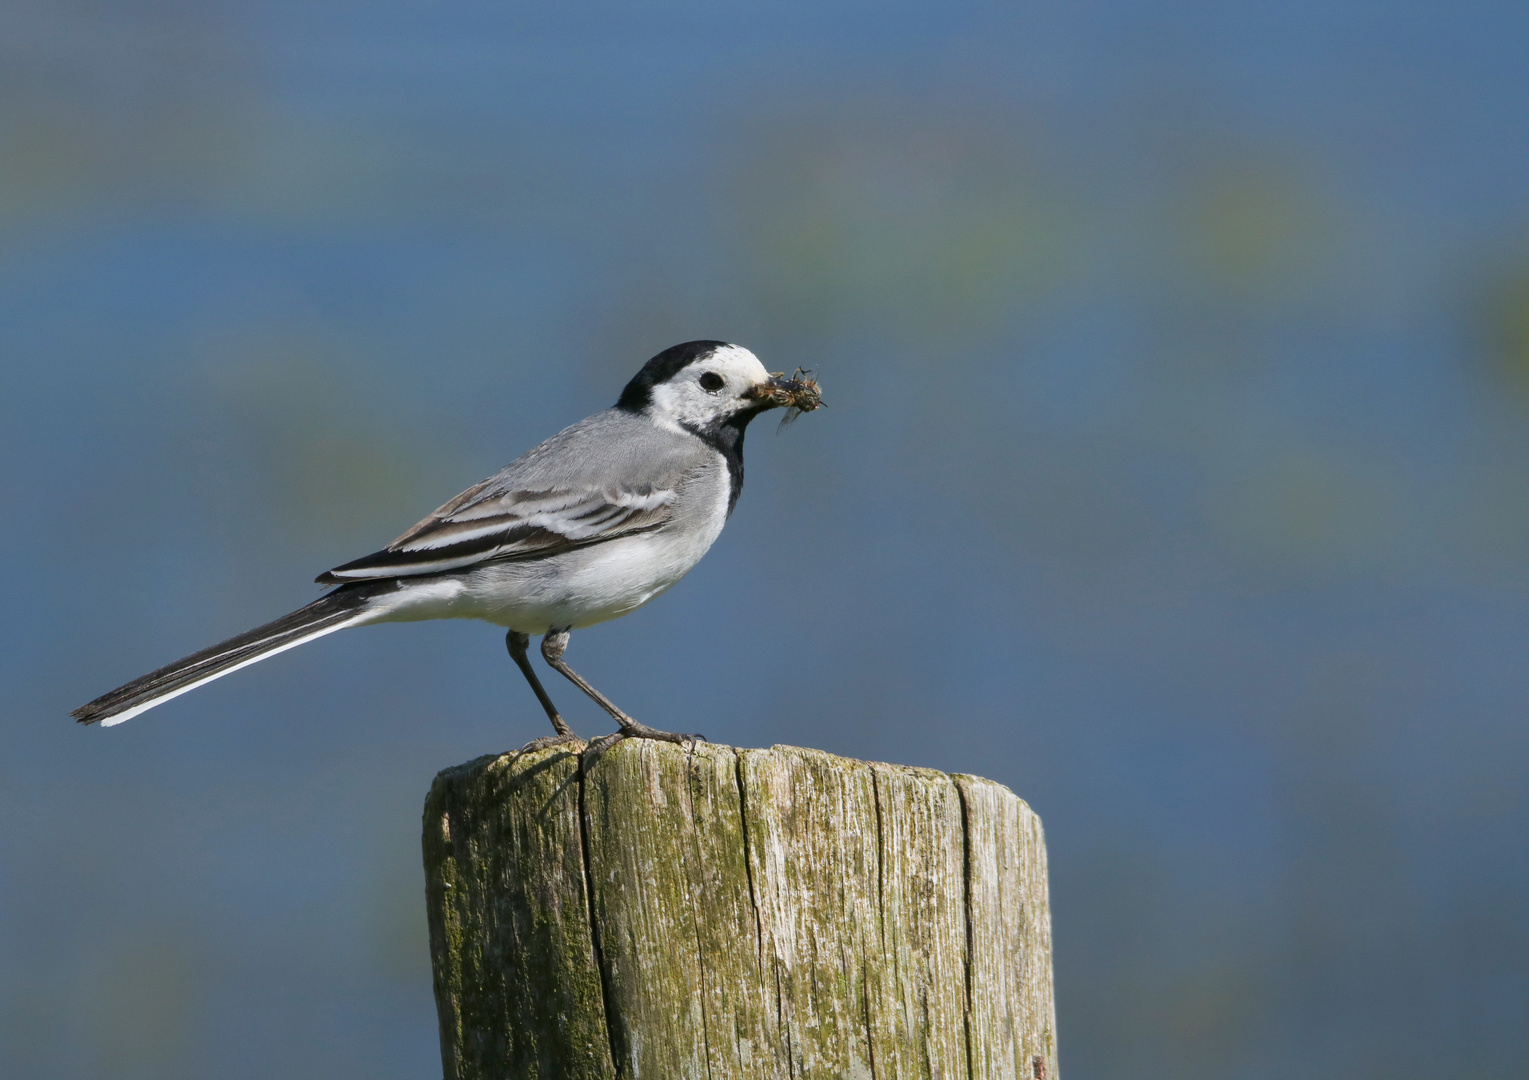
<point x="711" y="382"/>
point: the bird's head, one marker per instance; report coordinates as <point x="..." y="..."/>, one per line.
<point x="706" y="385"/>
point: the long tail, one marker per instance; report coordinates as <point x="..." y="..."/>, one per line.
<point x="335" y="611"/>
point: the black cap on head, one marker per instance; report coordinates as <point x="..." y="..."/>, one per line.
<point x="662" y="368"/>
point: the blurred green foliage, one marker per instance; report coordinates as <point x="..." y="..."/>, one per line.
<point x="1505" y="318"/>
<point x="928" y="224"/>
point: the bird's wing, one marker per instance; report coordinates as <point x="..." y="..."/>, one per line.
<point x="489" y="522"/>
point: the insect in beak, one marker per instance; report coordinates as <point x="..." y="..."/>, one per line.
<point x="798" y="394"/>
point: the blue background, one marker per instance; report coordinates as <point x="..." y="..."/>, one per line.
<point x="1174" y="474"/>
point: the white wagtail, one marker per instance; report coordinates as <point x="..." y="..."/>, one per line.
<point x="590" y="525"/>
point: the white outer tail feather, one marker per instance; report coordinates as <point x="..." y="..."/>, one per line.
<point x="349" y="605"/>
<point x="145" y="706"/>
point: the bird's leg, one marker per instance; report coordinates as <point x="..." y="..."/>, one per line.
<point x="516" y="642"/>
<point x="553" y="646"/>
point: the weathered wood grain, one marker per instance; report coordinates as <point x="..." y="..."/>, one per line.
<point x="516" y="985"/>
<point x="666" y="912"/>
<point x="1013" y="1012"/>
<point x="919" y="1015"/>
<point x="679" y="935"/>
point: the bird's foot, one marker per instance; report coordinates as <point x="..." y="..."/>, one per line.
<point x="546" y="742"/>
<point x="631" y="729"/>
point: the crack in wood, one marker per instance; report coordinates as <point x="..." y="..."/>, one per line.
<point x="966" y="908"/>
<point x="612" y="1035"/>
<point x="698" y="911"/>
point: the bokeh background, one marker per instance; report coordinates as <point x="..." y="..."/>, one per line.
<point x="1174" y="474"/>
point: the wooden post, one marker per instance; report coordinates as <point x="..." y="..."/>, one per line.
<point x="721" y="914"/>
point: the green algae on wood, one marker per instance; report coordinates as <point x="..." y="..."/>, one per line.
<point x="517" y="988"/>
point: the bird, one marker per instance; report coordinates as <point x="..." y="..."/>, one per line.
<point x="585" y="527"/>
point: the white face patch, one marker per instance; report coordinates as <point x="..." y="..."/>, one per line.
<point x="695" y="397"/>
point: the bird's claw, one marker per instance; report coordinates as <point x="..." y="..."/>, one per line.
<point x="546" y="742"/>
<point x="634" y="730"/>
